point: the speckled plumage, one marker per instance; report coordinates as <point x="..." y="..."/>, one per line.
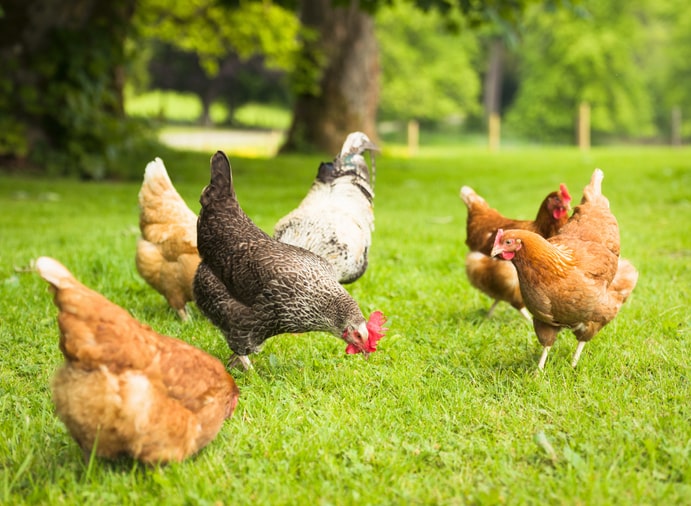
<point x="253" y="287"/>
<point x="335" y="220"/>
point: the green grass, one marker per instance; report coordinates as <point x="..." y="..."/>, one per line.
<point x="447" y="411"/>
<point x="263" y="116"/>
<point x="173" y="106"/>
<point x="178" y="107"/>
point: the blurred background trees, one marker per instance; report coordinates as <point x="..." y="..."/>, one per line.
<point x="595" y="54"/>
<point x="74" y="70"/>
<point x="428" y="72"/>
<point x="61" y="87"/>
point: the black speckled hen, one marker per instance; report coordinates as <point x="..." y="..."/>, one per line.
<point x="253" y="287"/>
<point x="335" y="220"/>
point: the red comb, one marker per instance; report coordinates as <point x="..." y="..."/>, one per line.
<point x="497" y="238"/>
<point x="375" y="331"/>
<point x="564" y="192"/>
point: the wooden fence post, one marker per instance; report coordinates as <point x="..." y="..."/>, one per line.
<point x="584" y="126"/>
<point x="494" y="131"/>
<point x="413" y="137"/>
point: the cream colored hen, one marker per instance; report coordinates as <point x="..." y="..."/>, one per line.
<point x="167" y="255"/>
<point x="126" y="390"/>
<point x="335" y="220"/>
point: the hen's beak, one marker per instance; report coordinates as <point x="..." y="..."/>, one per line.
<point x="359" y="338"/>
<point x="497" y="247"/>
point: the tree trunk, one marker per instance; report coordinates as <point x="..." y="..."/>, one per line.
<point x="347" y="91"/>
<point x="493" y="78"/>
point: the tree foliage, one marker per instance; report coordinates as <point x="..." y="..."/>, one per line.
<point x="65" y="63"/>
<point x="674" y="90"/>
<point x="63" y="72"/>
<point x="237" y="81"/>
<point x="311" y="128"/>
<point x="410" y="41"/>
<point x="212" y="30"/>
<point x="593" y="55"/>
<point x="339" y="77"/>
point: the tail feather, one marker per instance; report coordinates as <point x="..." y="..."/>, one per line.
<point x="156" y="179"/>
<point x="55" y="273"/>
<point x="221" y="184"/>
<point x="592" y="193"/>
<point x="357" y="143"/>
<point x="155" y="169"/>
<point x="470" y="198"/>
<point x="351" y="157"/>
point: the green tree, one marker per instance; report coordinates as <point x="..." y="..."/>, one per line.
<point x="337" y="77"/>
<point x="223" y="37"/>
<point x="409" y="41"/>
<point x="212" y="29"/>
<point x="339" y="69"/>
<point x="61" y="87"/>
<point x="673" y="70"/>
<point x="65" y="65"/>
<point x="591" y="55"/>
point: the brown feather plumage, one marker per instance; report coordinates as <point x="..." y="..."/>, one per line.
<point x="493" y="277"/>
<point x="167" y="256"/>
<point x="574" y="279"/>
<point x="125" y="389"/>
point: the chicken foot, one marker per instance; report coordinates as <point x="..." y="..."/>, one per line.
<point x="546" y="334"/>
<point x="524" y="311"/>
<point x="241" y="361"/>
<point x="543" y="358"/>
<point x="492" y="308"/>
<point x="577" y="355"/>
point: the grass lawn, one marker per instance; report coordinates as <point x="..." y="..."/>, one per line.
<point x="187" y="108"/>
<point x="449" y="410"/>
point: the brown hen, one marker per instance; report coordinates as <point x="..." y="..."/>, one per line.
<point x="126" y="390"/>
<point x="576" y="278"/>
<point x="493" y="277"/>
<point x="167" y="256"/>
